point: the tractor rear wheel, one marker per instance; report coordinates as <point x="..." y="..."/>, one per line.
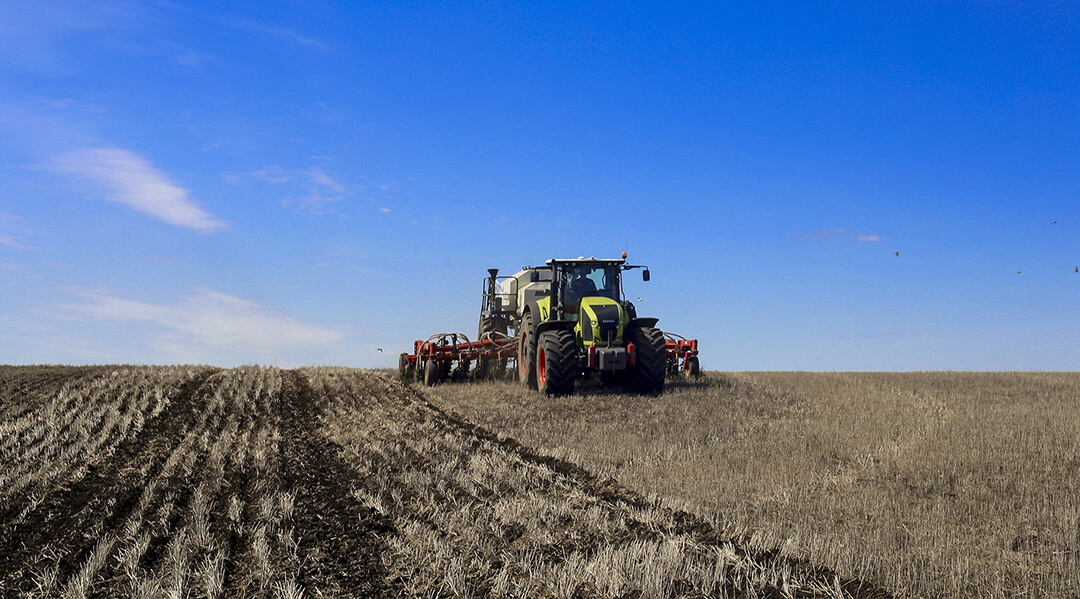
<point x="556" y="363"/>
<point x="650" y="360"/>
<point x="526" y="357"/>
<point x="431" y="373"/>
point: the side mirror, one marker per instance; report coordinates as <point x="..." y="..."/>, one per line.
<point x="534" y="276"/>
<point x="645" y="275"/>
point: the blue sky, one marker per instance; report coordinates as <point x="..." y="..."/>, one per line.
<point x="306" y="182"/>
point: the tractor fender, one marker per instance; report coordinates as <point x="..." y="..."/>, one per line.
<point x="641" y="323"/>
<point x="554" y="325"/>
<point x="533" y="308"/>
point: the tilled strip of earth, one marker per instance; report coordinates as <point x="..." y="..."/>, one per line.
<point x="333" y="482"/>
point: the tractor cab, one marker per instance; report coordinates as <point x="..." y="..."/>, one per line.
<point x="576" y="281"/>
<point x="587" y="295"/>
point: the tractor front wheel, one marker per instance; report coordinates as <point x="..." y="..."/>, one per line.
<point x="556" y="363"/>
<point x="650" y="360"/>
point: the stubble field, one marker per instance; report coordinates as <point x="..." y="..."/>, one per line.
<point x="331" y="482"/>
<point x="325" y="482"/>
<point x="929" y="484"/>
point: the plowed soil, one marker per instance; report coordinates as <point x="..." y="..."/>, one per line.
<point x="258" y="482"/>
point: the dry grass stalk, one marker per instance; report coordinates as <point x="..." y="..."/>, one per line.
<point x="931" y="484"/>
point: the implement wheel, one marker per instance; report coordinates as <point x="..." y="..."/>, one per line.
<point x="431" y="373"/>
<point x="556" y="363"/>
<point x="647" y="375"/>
<point x="404" y="368"/>
<point x="527" y="353"/>
<point x="691" y="369"/>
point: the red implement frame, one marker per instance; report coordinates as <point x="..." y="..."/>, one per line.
<point x="452" y="356"/>
<point x="681" y="355"/>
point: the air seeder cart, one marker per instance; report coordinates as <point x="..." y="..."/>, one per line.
<point x="556" y="324"/>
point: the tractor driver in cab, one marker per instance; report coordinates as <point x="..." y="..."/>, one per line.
<point x="582" y="283"/>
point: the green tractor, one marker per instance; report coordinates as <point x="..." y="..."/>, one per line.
<point x="570" y="320"/>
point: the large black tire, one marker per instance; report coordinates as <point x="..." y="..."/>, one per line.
<point x="491" y="325"/>
<point x="431" y="373"/>
<point x="692" y="370"/>
<point x="527" y="352"/>
<point x="650" y="361"/>
<point x="556" y="363"/>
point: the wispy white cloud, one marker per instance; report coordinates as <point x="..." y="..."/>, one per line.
<point x="316" y="176"/>
<point x="318" y="190"/>
<point x="273" y="174"/>
<point x="321" y="192"/>
<point x="131" y="180"/>
<point x="36" y="35"/>
<point x="208" y="318"/>
<point x="841" y="233"/>
<point x="19" y="270"/>
<point x="276" y="32"/>
<point x="8" y="240"/>
<point x="32" y="33"/>
<point x="822" y="233"/>
<point x="313" y="190"/>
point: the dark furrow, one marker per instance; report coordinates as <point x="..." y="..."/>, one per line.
<point x="236" y="481"/>
<point x="251" y="486"/>
<point x="24" y="387"/>
<point x="330" y="521"/>
<point x="93" y="503"/>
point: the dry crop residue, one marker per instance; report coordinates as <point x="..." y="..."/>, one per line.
<point x="226" y="490"/>
<point x="324" y="482"/>
<point x="476" y="515"/>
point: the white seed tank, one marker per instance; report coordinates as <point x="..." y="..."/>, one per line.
<point x="517" y="292"/>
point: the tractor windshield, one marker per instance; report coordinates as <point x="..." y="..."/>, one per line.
<point x="588" y="280"/>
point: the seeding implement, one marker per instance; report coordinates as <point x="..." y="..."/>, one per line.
<point x="556" y="324"/>
<point x="681" y="355"/>
<point x="452" y="356"/>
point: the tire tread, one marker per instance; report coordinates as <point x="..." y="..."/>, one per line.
<point x="651" y="360"/>
<point x="561" y="360"/>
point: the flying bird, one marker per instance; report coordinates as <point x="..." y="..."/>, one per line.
<point x="1018" y="272"/>
<point x="1076" y="269"/>
<point x="897" y="254"/>
<point x="380" y="350"/>
<point x="640" y="300"/>
<point x="1054" y="223"/>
